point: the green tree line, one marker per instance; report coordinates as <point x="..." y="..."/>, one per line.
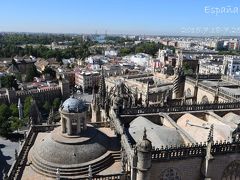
<point x="11" y="45"/>
<point x="144" y="47"/>
<point x="9" y="117"/>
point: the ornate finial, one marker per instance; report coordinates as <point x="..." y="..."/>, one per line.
<point x="144" y="134"/>
<point x="16" y="154"/>
<point x="90" y="172"/>
<point x="19" y="103"/>
<point x="210" y="135"/>
<point x="218" y="86"/>
<point x="5" y="175"/>
<point x="197" y="70"/>
<point x="58" y="174"/>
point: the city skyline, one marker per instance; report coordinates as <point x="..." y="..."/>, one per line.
<point x="152" y="17"/>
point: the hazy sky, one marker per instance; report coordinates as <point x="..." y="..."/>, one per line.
<point x="163" y="17"/>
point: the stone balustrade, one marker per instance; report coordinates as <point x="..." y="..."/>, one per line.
<point x="182" y="108"/>
<point x="194" y="150"/>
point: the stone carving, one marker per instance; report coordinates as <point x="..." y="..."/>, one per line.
<point x="170" y="174"/>
<point x="205" y="100"/>
<point x="232" y="171"/>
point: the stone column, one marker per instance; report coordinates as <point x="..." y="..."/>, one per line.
<point x="63" y="122"/>
<point x="78" y="125"/>
<point x="69" y="129"/>
<point x="84" y="121"/>
<point x="134" y="165"/>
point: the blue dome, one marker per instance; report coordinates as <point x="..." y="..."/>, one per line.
<point x="74" y="105"/>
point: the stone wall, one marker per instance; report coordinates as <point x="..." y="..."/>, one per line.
<point x="38" y="95"/>
<point x="187" y="169"/>
<point x="203" y="93"/>
<point x="61" y="91"/>
<point x="190" y="169"/>
<point x="204" y="90"/>
<point x="219" y="164"/>
<point x="186" y="162"/>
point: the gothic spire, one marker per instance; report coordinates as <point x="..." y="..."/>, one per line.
<point x="51" y="116"/>
<point x="144" y="134"/>
<point x="210" y="135"/>
<point x="20" y="109"/>
<point x="102" y="88"/>
<point x="216" y="93"/>
<point x="218" y="86"/>
<point x="197" y="76"/>
<point x="94" y="99"/>
<point x="147" y="95"/>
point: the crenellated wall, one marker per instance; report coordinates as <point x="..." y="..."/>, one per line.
<point x="41" y="95"/>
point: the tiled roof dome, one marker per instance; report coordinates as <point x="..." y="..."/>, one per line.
<point x="74" y="105"/>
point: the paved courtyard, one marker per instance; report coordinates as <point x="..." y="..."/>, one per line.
<point x="7" y="154"/>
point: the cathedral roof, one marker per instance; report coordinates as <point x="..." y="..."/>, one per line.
<point x="158" y="135"/>
<point x="198" y="128"/>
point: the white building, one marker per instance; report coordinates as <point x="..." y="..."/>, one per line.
<point x="232" y="65"/>
<point x="95" y="62"/>
<point x="185" y="44"/>
<point x="208" y="66"/>
<point x="114" y="70"/>
<point x="233" y="44"/>
<point x="111" y="53"/>
<point x="87" y="80"/>
<point x="68" y="61"/>
<point x="140" y="59"/>
<point x="162" y="54"/>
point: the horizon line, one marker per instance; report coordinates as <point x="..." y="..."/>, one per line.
<point x="120" y="34"/>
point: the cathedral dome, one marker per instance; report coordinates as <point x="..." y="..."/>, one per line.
<point x="72" y="155"/>
<point x="74" y="105"/>
<point x="56" y="149"/>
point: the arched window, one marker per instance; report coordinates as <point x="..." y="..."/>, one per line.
<point x="205" y="100"/>
<point x="170" y="174"/>
<point x="232" y="171"/>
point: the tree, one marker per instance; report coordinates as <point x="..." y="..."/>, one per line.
<point x="187" y="69"/>
<point x="47" y="106"/>
<point x="56" y="103"/>
<point x="4" y="111"/>
<point x="15" y="123"/>
<point x="14" y="110"/>
<point x="50" y="71"/>
<point x="148" y="48"/>
<point x="9" y="81"/>
<point x="125" y="51"/>
<point x="5" y="126"/>
<point x="31" y="73"/>
<point x="27" y="106"/>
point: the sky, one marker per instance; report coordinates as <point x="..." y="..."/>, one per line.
<point x="150" y="17"/>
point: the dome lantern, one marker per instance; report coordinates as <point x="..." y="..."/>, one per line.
<point x="73" y="116"/>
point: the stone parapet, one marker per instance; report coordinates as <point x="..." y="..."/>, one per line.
<point x="194" y="150"/>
